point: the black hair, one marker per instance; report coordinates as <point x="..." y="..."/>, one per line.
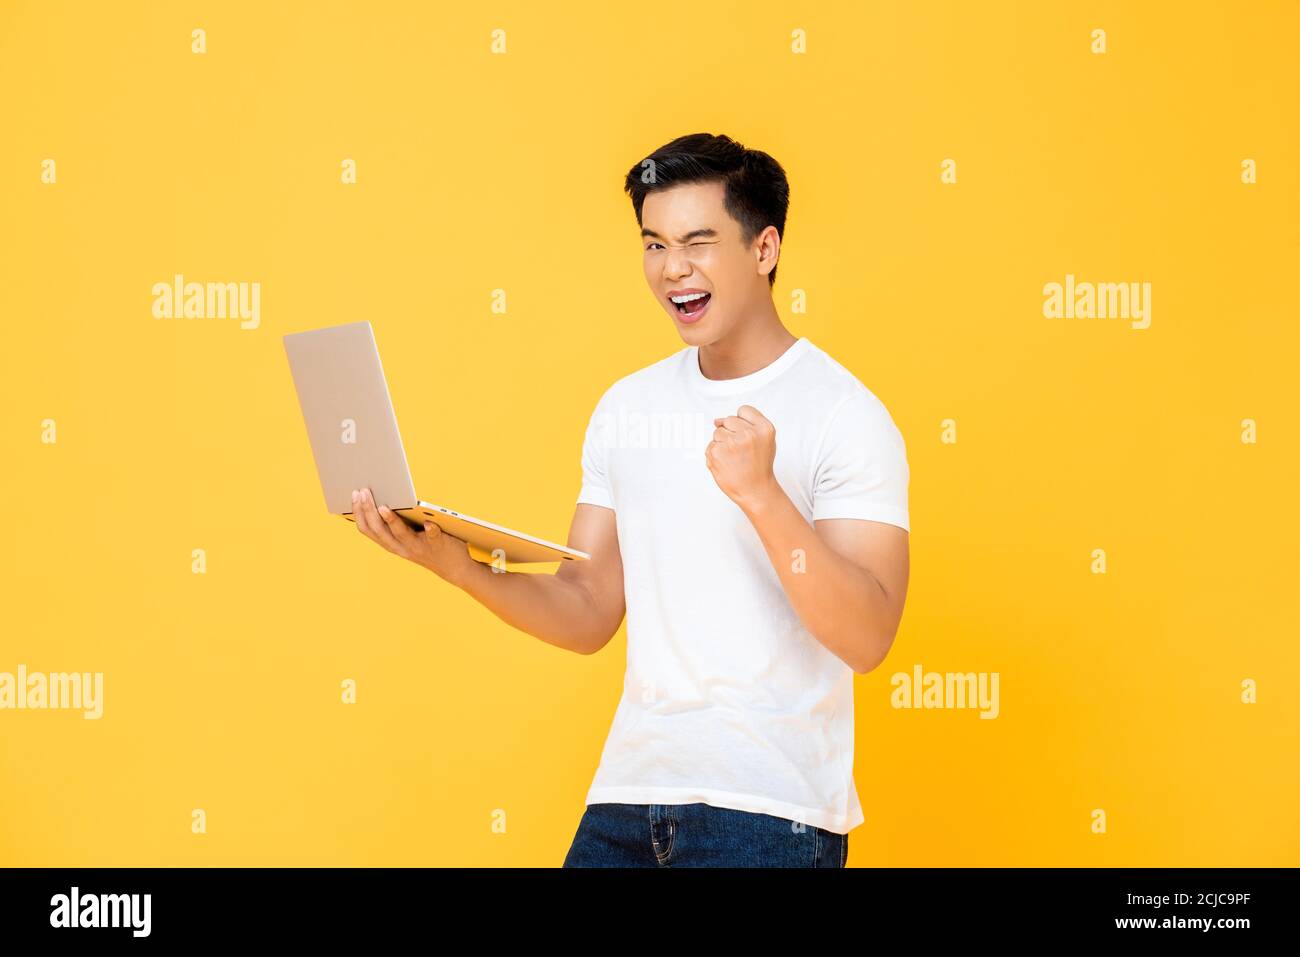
<point x="757" y="191"/>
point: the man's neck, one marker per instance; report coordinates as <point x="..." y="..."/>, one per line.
<point x="755" y="343"/>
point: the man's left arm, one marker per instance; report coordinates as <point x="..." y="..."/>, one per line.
<point x="845" y="578"/>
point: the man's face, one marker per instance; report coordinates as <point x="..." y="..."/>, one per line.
<point x="692" y="246"/>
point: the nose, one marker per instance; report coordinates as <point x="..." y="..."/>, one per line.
<point x="676" y="265"/>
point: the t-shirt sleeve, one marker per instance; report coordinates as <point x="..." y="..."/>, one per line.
<point x="861" y="469"/>
<point x="595" y="459"/>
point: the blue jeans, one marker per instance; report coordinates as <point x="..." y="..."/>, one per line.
<point x="699" y="835"/>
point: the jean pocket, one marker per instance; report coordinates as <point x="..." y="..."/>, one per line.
<point x="832" y="849"/>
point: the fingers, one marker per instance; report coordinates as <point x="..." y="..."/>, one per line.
<point x="401" y="532"/>
<point x="370" y="523"/>
<point x="731" y="423"/>
<point x="363" y="513"/>
<point x="746" y="416"/>
<point x="748" y="422"/>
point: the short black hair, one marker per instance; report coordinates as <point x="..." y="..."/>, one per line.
<point x="757" y="191"/>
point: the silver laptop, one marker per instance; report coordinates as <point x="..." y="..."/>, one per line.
<point x="354" y="439"/>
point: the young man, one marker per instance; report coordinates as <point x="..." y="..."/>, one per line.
<point x="745" y="501"/>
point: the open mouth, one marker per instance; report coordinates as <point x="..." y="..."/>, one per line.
<point x="692" y="305"/>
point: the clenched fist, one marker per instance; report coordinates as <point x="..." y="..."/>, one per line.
<point x="741" y="454"/>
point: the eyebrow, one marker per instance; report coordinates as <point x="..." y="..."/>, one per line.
<point x="693" y="234"/>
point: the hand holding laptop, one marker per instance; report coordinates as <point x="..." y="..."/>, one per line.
<point x="354" y="439"/>
<point x="445" y="555"/>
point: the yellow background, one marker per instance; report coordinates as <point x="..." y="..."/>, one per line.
<point x="479" y="171"/>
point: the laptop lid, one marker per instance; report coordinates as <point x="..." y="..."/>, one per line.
<point x="349" y="415"/>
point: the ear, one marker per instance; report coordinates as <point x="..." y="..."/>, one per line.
<point x="767" y="250"/>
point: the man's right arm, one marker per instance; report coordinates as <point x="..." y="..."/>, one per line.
<point x="579" y="607"/>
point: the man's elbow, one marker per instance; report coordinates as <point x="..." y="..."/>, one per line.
<point x="589" y="645"/>
<point x="594" y="641"/>
<point x="873" y="653"/>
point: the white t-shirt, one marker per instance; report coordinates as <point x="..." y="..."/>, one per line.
<point x="727" y="699"/>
